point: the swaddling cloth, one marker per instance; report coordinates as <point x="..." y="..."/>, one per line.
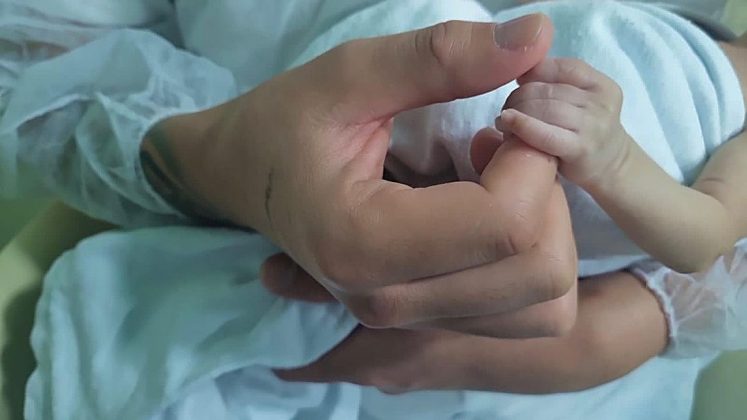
<point x="171" y="323"/>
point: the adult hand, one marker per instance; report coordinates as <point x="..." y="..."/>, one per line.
<point x="300" y="159"/>
<point x="553" y="317"/>
<point x="615" y="310"/>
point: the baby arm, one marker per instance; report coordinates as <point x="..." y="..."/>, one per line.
<point x="568" y="109"/>
<point x="619" y="327"/>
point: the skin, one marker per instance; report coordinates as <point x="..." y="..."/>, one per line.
<point x="614" y="311"/>
<point x="570" y="110"/>
<point x="408" y="356"/>
<point x="585" y="344"/>
<point x="311" y="174"/>
<point x="584" y="356"/>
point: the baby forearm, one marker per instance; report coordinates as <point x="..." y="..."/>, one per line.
<point x="683" y="228"/>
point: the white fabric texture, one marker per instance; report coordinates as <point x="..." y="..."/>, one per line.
<point x="131" y="327"/>
<point x="105" y="305"/>
<point x="79" y="134"/>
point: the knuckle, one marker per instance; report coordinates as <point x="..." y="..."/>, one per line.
<point x="586" y="76"/>
<point x="546" y="90"/>
<point x="441" y="42"/>
<point x="334" y="267"/>
<point x="522" y="227"/>
<point x="366" y="222"/>
<point x="441" y="45"/>
<point x="378" y="310"/>
<point x="565" y="257"/>
<point x="567" y="314"/>
<point x="345" y="260"/>
<point x="340" y="266"/>
<point x="555" y="268"/>
<point x="550" y="137"/>
<point x="561" y="316"/>
<point x="546" y="110"/>
<point x="561" y="275"/>
<point x="611" y="97"/>
<point x="561" y="322"/>
<point x="347" y="270"/>
<point x="575" y="68"/>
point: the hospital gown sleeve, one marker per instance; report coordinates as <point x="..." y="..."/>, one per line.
<point x="80" y="84"/>
<point x="706" y="312"/>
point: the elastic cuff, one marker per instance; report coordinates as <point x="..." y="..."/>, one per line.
<point x="140" y="173"/>
<point x="648" y="278"/>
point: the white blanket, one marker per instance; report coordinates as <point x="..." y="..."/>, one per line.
<point x="171" y="323"/>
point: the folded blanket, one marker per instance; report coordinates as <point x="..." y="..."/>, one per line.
<point x="172" y="323"/>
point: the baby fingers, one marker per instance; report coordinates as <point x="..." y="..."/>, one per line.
<point x="572" y="72"/>
<point x="555" y="91"/>
<point x="551" y="111"/>
<point x="544" y="136"/>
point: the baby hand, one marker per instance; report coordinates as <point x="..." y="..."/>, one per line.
<point x="566" y="108"/>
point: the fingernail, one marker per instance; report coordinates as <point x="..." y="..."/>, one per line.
<point x="499" y="123"/>
<point x="520" y="33"/>
<point x="507" y="116"/>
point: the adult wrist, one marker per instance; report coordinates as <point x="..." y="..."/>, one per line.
<point x="186" y="160"/>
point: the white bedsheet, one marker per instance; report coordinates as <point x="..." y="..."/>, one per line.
<point x="131" y="327"/>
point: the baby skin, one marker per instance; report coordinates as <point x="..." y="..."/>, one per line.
<point x="567" y="109"/>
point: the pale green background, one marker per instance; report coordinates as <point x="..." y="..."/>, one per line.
<point x="15" y="214"/>
<point x="736" y="15"/>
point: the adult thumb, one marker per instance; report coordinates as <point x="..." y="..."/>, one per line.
<point x="371" y="79"/>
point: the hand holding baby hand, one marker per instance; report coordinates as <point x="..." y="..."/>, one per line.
<point x="568" y="109"/>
